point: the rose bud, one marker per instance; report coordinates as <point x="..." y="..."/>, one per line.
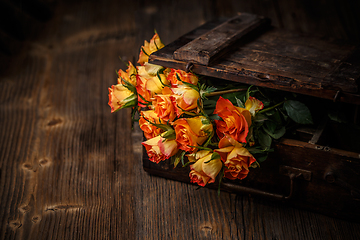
<point x="175" y="74"/>
<point x="148" y="48"/>
<point x="121" y="97"/>
<point x="206" y="167"/>
<point x="253" y="105"/>
<point x="160" y="149"/>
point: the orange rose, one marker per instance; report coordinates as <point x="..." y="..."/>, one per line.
<point x="185" y="77"/>
<point x="129" y="75"/>
<point x="148" y="85"/>
<point x="164" y="106"/>
<point x="185" y="98"/>
<point x="141" y="90"/>
<point x="121" y="97"/>
<point x="150" y="131"/>
<point x="160" y="149"/>
<point x="151" y="82"/>
<point x="148" y="48"/>
<point x="204" y="171"/>
<point x="236" y="158"/>
<point x="235" y="120"/>
<point x="192" y="132"/>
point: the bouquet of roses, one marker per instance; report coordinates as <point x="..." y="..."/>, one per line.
<point x="218" y="129"/>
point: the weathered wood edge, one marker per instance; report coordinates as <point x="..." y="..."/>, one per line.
<point x="203" y="49"/>
<point x="349" y="69"/>
<point x="260" y="79"/>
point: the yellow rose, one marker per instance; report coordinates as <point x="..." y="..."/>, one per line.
<point x="150" y="131"/>
<point x="121" y="97"/>
<point x="164" y="106"/>
<point x="184" y="76"/>
<point x="186" y="99"/>
<point x="253" y="105"/>
<point x="205" y="169"/>
<point x="236" y="158"/>
<point x="148" y="48"/>
<point x="192" y="132"/>
<point x="149" y="82"/>
<point x="129" y="75"/>
<point x="160" y="149"/>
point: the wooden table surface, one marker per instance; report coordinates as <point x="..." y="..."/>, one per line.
<point x="69" y="169"/>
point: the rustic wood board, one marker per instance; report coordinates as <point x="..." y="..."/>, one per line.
<point x="215" y="42"/>
<point x="68" y="168"/>
<point x="281" y="60"/>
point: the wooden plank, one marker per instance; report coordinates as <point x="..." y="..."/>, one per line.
<point x="262" y="79"/>
<point x="54" y="190"/>
<point x="210" y="45"/>
<point x="281" y="60"/>
<point x="346" y="75"/>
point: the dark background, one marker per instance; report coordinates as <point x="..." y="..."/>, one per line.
<point x="22" y="21"/>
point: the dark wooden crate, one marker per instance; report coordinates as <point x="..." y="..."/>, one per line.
<point x="307" y="170"/>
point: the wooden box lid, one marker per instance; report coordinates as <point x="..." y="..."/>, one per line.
<point x="247" y="49"/>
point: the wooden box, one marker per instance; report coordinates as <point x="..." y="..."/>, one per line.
<point x="317" y="169"/>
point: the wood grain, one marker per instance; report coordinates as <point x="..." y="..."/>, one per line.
<point x="71" y="170"/>
<point x="215" y="42"/>
<point x="281" y="60"/>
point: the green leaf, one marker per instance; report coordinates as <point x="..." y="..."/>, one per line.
<point x="131" y="101"/>
<point x="209" y="103"/>
<point x="188" y="163"/>
<point x="248" y="92"/>
<point x="338" y="116"/>
<point x="164" y="127"/>
<point x="146" y="102"/>
<point x="142" y="49"/>
<point x="264" y="139"/>
<point x="176" y="161"/>
<point x="204" y="89"/>
<point x="182" y="157"/>
<point x="269" y="126"/>
<point x="260" y="117"/>
<point x="261" y="158"/>
<point x="201" y="148"/>
<point x="255" y="150"/>
<point x="179" y="156"/>
<point x="276" y="133"/>
<point x="276" y="117"/>
<point x="170" y="134"/>
<point x="214" y="117"/>
<point x="129" y="85"/>
<point x="165" y="85"/>
<point x="214" y="156"/>
<point x="279" y="133"/>
<point x="298" y="112"/>
<point x="239" y="103"/>
<point x="233" y="96"/>
<point x="255" y="164"/>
